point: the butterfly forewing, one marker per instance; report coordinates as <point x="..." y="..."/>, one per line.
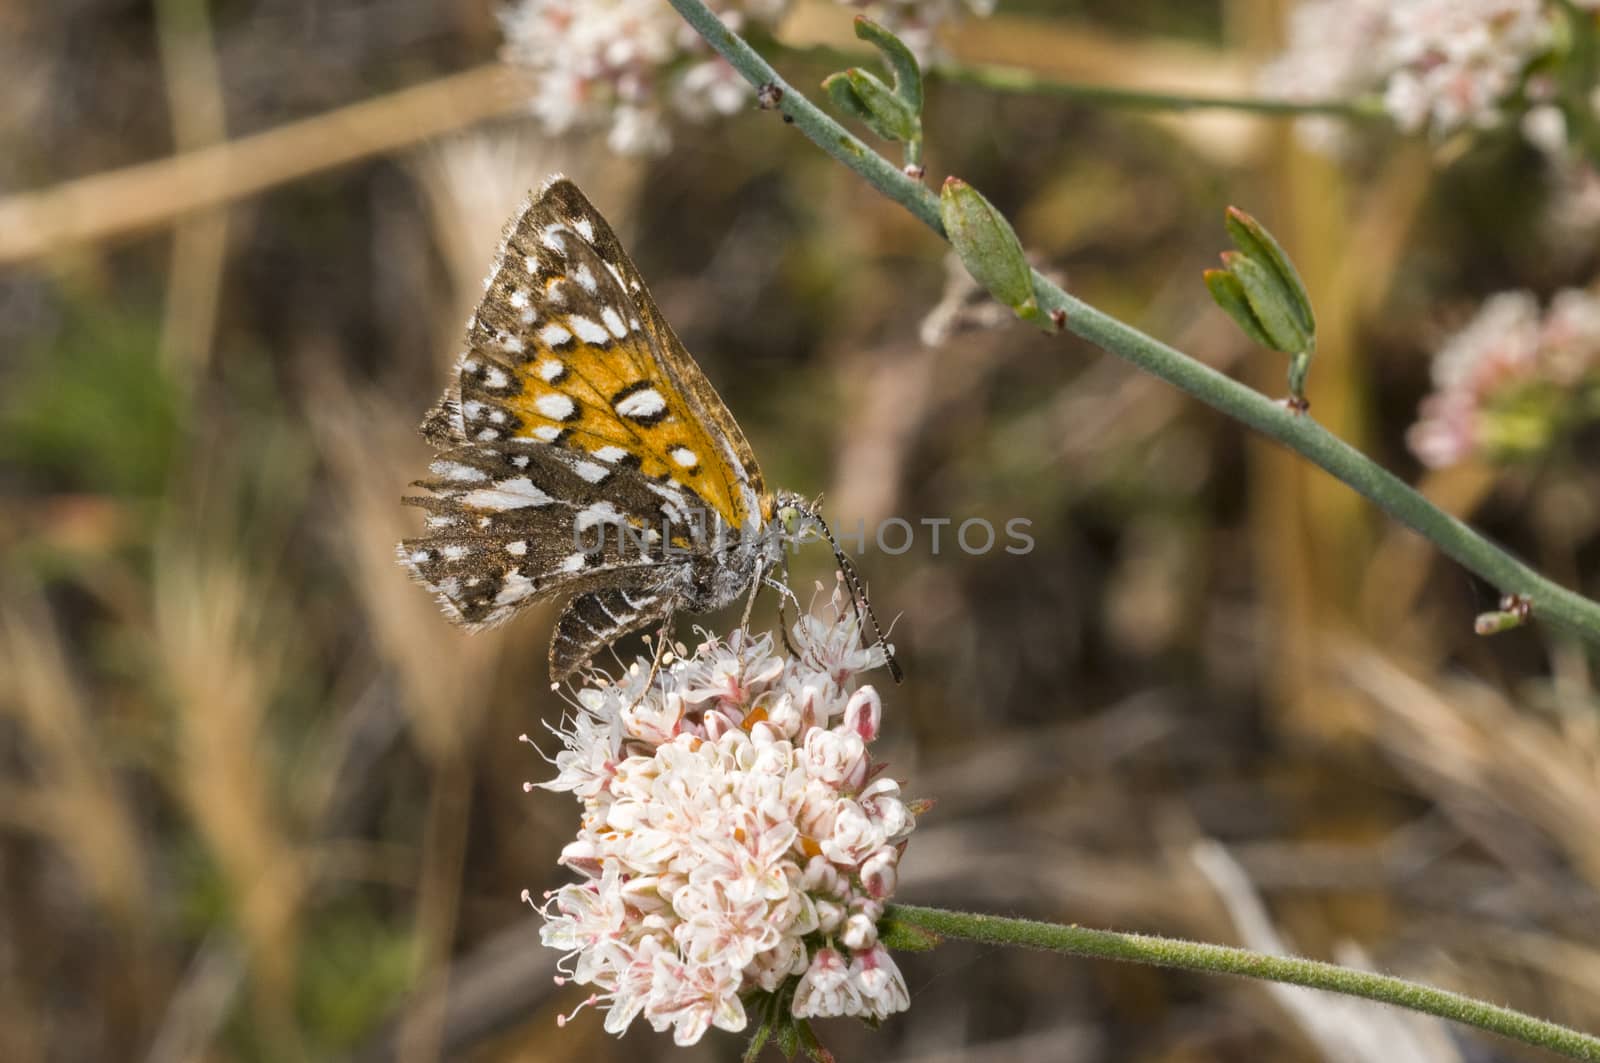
<point x="581" y="449"/>
<point x="568" y="348"/>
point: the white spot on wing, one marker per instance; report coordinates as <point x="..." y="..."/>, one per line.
<point x="597" y="513"/>
<point x="454" y="470"/>
<point x="515" y="588"/>
<point x="454" y="552"/>
<point x="585" y="229"/>
<point x="550" y="370"/>
<point x="554" y="406"/>
<point x="646" y="403"/>
<point x="554" y="335"/>
<point x="590" y="471"/>
<point x="587" y="330"/>
<point x="515" y="493"/>
<point x="685" y="457"/>
<point x="609" y="453"/>
<point x="511" y="344"/>
<point x="496" y="378"/>
<point x="545" y="433"/>
<point x="553" y="241"/>
<point x="574" y="563"/>
<point x="614" y="322"/>
<point x="585" y="279"/>
<point x="518" y="548"/>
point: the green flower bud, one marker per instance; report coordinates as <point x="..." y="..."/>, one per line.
<point x="1261" y="290"/>
<point x="988" y="246"/>
<point x="1254" y="241"/>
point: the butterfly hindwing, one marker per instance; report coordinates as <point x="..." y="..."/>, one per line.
<point x="598" y="618"/>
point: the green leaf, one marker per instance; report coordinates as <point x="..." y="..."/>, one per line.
<point x="844" y="97"/>
<point x="1266" y="296"/>
<point x="1228" y="293"/>
<point x="892" y="118"/>
<point x="987" y="246"/>
<point x="787" y="1036"/>
<point x="1253" y="239"/>
<point x="907" y="74"/>
<point x="758" y="1041"/>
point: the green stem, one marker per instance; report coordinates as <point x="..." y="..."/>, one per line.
<point x="1015" y="79"/>
<point x="1000" y="78"/>
<point x="1579" y="82"/>
<point x="1219" y="959"/>
<point x="1552" y="603"/>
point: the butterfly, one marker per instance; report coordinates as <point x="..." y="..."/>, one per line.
<point x="582" y="452"/>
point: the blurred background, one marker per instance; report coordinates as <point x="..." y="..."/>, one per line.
<point x="259" y="801"/>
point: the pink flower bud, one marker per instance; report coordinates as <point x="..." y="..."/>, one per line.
<point x="863" y="713"/>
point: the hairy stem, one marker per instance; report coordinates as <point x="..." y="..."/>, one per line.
<point x="1551" y="603"/>
<point x="1219" y="959"/>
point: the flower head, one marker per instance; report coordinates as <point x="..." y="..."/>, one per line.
<point x="1512" y="379"/>
<point x="1438" y="65"/>
<point x="735" y="837"/>
<point x="625" y="66"/>
<point x="630" y="67"/>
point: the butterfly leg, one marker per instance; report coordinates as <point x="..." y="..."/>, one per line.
<point x="785" y="596"/>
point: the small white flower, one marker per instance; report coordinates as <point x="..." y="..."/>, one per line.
<point x="839" y="759"/>
<point x="878" y="980"/>
<point x="859" y="933"/>
<point x="826" y="990"/>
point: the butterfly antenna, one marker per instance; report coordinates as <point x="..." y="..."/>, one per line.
<point x="858" y="596"/>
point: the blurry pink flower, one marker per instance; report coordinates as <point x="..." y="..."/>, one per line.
<point x="625" y="66"/>
<point x="633" y="67"/>
<point x="1438" y="65"/>
<point x="1511" y="379"/>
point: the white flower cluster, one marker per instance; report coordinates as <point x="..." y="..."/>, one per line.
<point x="1440" y="65"/>
<point x="736" y="835"/>
<point x="625" y="65"/>
<point x="630" y="66"/>
<point x="1507" y="381"/>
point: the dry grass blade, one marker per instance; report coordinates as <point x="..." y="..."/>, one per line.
<point x="152" y="194"/>
<point x="72" y="798"/>
<point x="221" y="659"/>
